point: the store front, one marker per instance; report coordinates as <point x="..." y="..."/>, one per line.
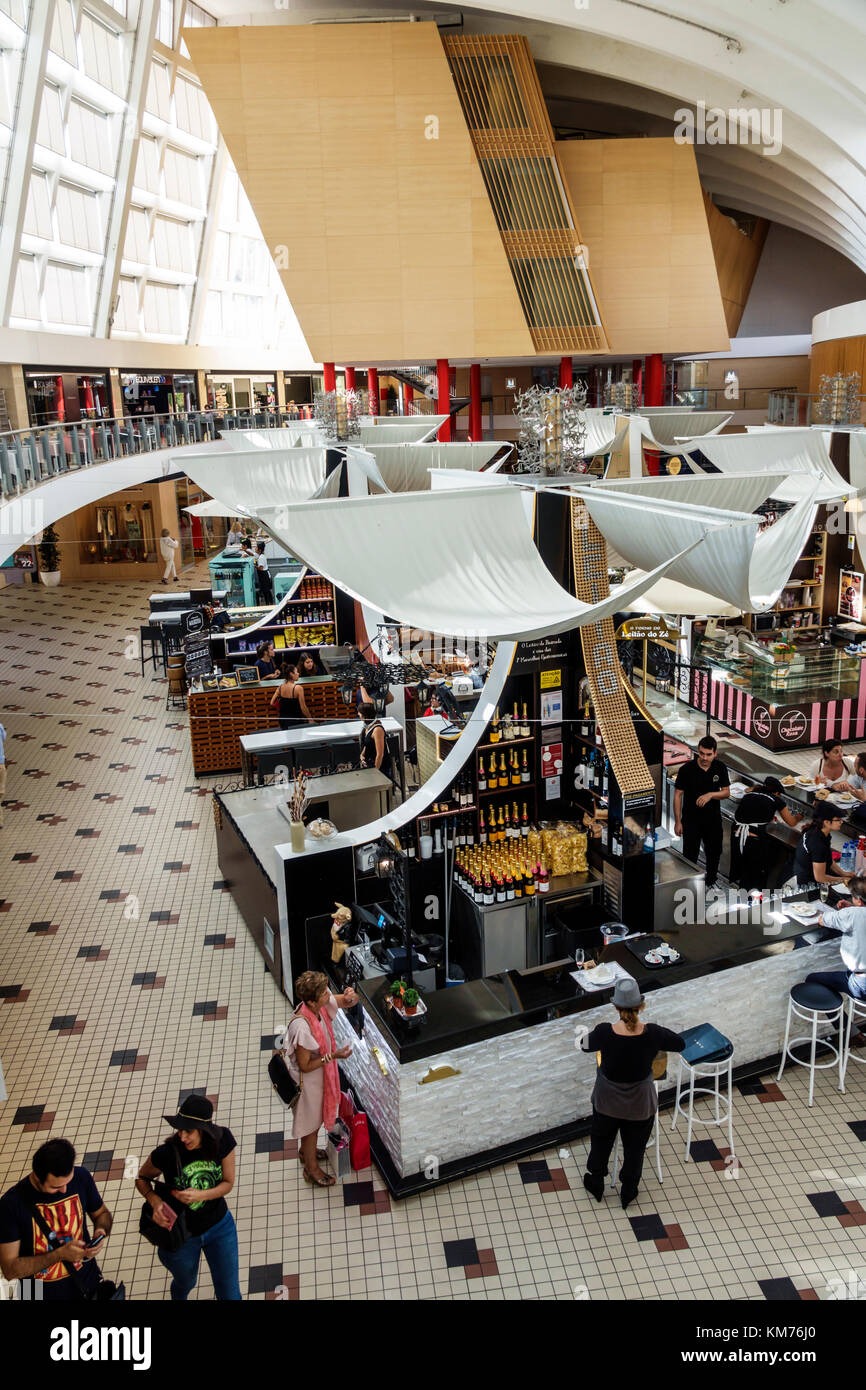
<point x="158" y="393"/>
<point x="57" y="397"/>
<point x="255" y="393"/>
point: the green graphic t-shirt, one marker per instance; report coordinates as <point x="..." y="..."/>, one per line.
<point x="196" y="1172"/>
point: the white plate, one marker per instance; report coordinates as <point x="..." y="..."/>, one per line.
<point x="600" y="975"/>
<point x="842" y="798"/>
<point x="843" y="889"/>
<point x="653" y="958"/>
<point x="804" y="912"/>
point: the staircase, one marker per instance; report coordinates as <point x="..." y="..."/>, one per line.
<point x="423" y="381"/>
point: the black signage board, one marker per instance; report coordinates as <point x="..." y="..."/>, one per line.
<point x="192" y="621"/>
<point x="194" y="648"/>
<point x="542" y="651"/>
<point x="198" y="666"/>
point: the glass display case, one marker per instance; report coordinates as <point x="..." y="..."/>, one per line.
<point x="782" y="672"/>
<point x="781" y="694"/>
<point x="236" y="575"/>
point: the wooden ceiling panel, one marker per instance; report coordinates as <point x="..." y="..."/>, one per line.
<point x="328" y="128"/>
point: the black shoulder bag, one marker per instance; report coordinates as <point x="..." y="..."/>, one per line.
<point x="163" y="1239"/>
<point x="106" y="1290"/>
<point x="285" y="1085"/>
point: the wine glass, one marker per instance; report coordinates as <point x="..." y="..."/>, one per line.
<point x="579" y="957"/>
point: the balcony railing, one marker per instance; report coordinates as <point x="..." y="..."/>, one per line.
<point x="799" y="408"/>
<point x="33" y="456"/>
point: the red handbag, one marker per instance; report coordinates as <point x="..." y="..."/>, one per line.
<point x="359" y="1141"/>
<point x="347" y="1107"/>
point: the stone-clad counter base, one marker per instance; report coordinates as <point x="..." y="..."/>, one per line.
<point x="522" y="1085"/>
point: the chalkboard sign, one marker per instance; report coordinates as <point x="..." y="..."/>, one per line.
<point x="247" y="675"/>
<point x="198" y="666"/>
<point x="196" y="650"/>
<point x="193" y="621"/>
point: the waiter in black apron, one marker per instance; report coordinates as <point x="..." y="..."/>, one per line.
<point x="701" y="786"/>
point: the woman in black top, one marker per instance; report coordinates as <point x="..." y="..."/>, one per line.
<point x="624" y="1100"/>
<point x="374" y="748"/>
<point x="290" y="698"/>
<point x="266" y="664"/>
<point x="308" y="664"/>
<point x="198" y="1167"/>
<point x="813" y="859"/>
<point x="750" y="846"/>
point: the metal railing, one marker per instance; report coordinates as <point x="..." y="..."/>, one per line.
<point x="32" y="456"/>
<point x="799" y="408"/>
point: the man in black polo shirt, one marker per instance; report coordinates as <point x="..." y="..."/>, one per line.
<point x="701" y="786"/>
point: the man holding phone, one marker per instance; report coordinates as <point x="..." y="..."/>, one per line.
<point x="43" y="1225"/>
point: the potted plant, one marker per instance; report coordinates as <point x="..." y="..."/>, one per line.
<point x="49" y="557"/>
<point x="397" y="990"/>
<point x="410" y="1001"/>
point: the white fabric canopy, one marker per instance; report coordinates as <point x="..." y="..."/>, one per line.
<point x="405" y="467"/>
<point x="792" y="451"/>
<point x="258" y="478"/>
<point x="295" y="432"/>
<point x="212" y="508"/>
<point x="604" y="432"/>
<point x="399" y="429"/>
<point x="734" y="562"/>
<point x="741" y="492"/>
<point x="669" y="596"/>
<point x="458" y="562"/>
<point x="664" y="426"/>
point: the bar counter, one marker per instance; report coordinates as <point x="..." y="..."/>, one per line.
<point x="493" y="1070"/>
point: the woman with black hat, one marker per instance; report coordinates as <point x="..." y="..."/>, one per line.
<point x="198" y="1166"/>
<point x="624" y="1099"/>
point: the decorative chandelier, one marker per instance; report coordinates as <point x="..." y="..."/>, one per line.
<point x="338" y="413"/>
<point x="552" y="429"/>
<point x="839" y="399"/>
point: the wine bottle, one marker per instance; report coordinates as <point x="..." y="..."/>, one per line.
<point x="509" y="888"/>
<point x="605" y="778"/>
<point x="500" y="827"/>
<point x="529" y="882"/>
<point x="482" y="776"/>
<point x="503" y="771"/>
<point x="524" y="769"/>
<point x="518" y="883"/>
<point x="500" y="891"/>
<point x="482" y="829"/>
<point x="524" y="822"/>
<point x="515" y="769"/>
<point x="507" y="822"/>
<point x="488" y="891"/>
<point x="491" y="777"/>
<point x="494" y="728"/>
<point x="524" y="728"/>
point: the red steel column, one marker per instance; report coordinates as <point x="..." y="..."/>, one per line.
<point x="475" y="429"/>
<point x="566" y="372"/>
<point x="408" y="397"/>
<point x="654" y="384"/>
<point x="373" y="390"/>
<point x="443" y="398"/>
<point x="350" y="379"/>
<point x="330" y="376"/>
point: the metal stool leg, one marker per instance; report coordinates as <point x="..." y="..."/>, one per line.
<point x="812" y="1057"/>
<point x="658" y="1148"/>
<point x="785" y="1043"/>
<point x="679" y="1084"/>
<point x="731" y="1105"/>
<point x="691" y="1112"/>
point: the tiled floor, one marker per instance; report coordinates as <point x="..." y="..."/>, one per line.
<point x="127" y="979"/>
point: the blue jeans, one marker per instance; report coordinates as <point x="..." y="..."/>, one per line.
<point x="220" y="1246"/>
<point x="841" y="981"/>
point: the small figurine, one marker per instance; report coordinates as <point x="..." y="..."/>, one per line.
<point x="340" y="918"/>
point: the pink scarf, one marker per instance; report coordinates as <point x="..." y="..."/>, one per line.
<point x="320" y="1027"/>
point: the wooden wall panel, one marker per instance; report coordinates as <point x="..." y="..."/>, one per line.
<point x="640" y="208"/>
<point x="737" y="258"/>
<point x="392" y="246"/>
<point x="838" y="355"/>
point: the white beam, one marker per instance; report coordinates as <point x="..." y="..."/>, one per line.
<point x="139" y="74"/>
<point x="208" y="240"/>
<point x="21" y="150"/>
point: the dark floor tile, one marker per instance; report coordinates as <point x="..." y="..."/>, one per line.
<point x="827" y="1203"/>
<point x="124" y="1057"/>
<point x="271" y="1142"/>
<point x="62" y="1022"/>
<point x="144" y="977"/>
<point x="28" y="1114"/>
<point x="357" y="1193"/>
<point x="206" y="1006"/>
<point x="704" y="1150"/>
<point x="91" y="953"/>
<point x="779" y="1290"/>
<point x="264" y="1278"/>
<point x="461" y="1252"/>
<point x="9" y="991"/>
<point x="648" y="1227"/>
<point x="534" y="1170"/>
<point x="858" y="1127"/>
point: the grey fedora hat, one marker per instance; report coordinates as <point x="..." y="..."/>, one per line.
<point x="626" y="994"/>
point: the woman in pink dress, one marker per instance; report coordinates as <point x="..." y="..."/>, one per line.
<point x="311" y="1054"/>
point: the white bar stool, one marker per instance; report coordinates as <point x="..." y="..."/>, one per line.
<point x="688" y="1073"/>
<point x="814" y="1003"/>
<point x="656" y="1134"/>
<point x="855" y="1010"/>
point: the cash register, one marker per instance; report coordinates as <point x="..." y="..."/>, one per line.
<point x="376" y="947"/>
